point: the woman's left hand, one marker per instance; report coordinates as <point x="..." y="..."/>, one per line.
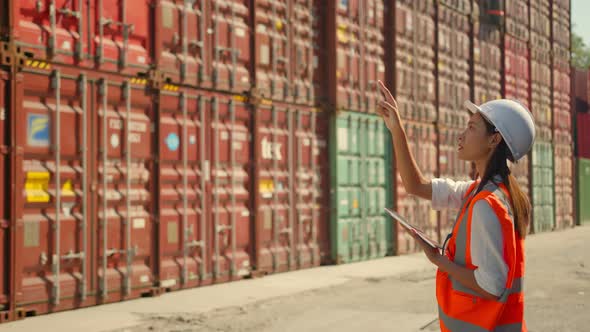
<point x="433" y="254"/>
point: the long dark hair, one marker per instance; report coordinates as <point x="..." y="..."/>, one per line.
<point x="498" y="165"/>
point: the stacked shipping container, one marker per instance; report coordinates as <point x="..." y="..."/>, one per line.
<point x="580" y="99"/>
<point x="414" y="43"/>
<point x="542" y="155"/>
<point x="176" y="179"/>
<point x="562" y="118"/>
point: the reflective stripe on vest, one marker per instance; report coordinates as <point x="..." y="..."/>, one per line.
<point x="451" y="321"/>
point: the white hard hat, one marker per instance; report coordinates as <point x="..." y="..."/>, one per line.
<point x="513" y="120"/>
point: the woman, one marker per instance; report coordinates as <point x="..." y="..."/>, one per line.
<point x="481" y="269"/>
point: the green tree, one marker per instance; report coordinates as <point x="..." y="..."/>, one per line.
<point x="580" y="52"/>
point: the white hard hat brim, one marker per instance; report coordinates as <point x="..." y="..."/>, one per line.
<point x="472" y="108"/>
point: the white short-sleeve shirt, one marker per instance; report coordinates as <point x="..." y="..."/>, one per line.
<point x="487" y="244"/>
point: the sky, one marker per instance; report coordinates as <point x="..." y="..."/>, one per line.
<point x="581" y="19"/>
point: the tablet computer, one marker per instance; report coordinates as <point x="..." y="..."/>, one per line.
<point x="409" y="227"/>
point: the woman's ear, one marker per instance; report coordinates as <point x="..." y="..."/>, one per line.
<point x="495" y="140"/>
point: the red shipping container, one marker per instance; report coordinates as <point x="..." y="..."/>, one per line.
<point x="184" y="190"/>
<point x="517" y="70"/>
<point x="285" y="37"/>
<point x="583" y="134"/>
<point x="354" y="56"/>
<point x="422" y="141"/>
<point x="5" y="239"/>
<point x="415" y="83"/>
<point x="103" y="34"/>
<point x="211" y="241"/>
<point x="290" y="156"/>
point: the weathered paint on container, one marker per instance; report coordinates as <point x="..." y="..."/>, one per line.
<point x="289" y="154"/>
<point x="360" y="186"/>
<point x="564" y="196"/>
<point x="583" y="195"/>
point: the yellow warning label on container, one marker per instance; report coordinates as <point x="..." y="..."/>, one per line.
<point x="279" y="24"/>
<point x="342" y="34"/>
<point x="355" y="204"/>
<point x="36" y="185"/>
<point x="266" y="186"/>
<point x="67" y="189"/>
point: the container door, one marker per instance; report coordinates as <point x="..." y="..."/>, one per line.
<point x="54" y="233"/>
<point x="124" y="123"/>
<point x="184" y="189"/>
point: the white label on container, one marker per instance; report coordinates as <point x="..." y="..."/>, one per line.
<point x="168" y="283"/>
<point x="115" y="140"/>
<point x="224" y="135"/>
<point x="245" y="213"/>
<point x="66" y="46"/>
<point x="409" y="22"/>
<point x="141" y="59"/>
<point x="381" y="68"/>
<point x="192" y="139"/>
<point x="344" y="202"/>
<point x="245" y="79"/>
<point x="139" y="223"/>
<point x="264" y="54"/>
<point x="342" y="139"/>
<point x="315" y="61"/>
<point x="144" y="278"/>
<point x="240" y="32"/>
<point x="2" y="114"/>
<point x="306" y="142"/>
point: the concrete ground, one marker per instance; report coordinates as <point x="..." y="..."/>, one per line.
<point x="390" y="294"/>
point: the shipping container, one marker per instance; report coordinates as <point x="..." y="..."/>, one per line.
<point x="487" y="63"/>
<point x="422" y="141"/>
<point x="290" y="159"/>
<point x="204" y="43"/>
<point x="454" y="55"/>
<point x="286" y="39"/>
<point x="564" y="185"/>
<point x="583" y="194"/>
<point x="542" y="186"/>
<point x="7" y="260"/>
<point x="583" y="134"/>
<point x="361" y="187"/>
<point x="353" y="56"/>
<point x="414" y="49"/>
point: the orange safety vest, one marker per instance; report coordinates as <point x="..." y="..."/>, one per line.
<point x="462" y="309"/>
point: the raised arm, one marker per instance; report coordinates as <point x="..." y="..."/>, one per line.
<point x="414" y="182"/>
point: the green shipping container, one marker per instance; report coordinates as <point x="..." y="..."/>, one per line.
<point x="361" y="187"/>
<point x="543" y="187"/>
<point x="583" y="191"/>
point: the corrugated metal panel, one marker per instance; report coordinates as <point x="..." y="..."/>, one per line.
<point x="415" y="65"/>
<point x="124" y="175"/>
<point x="487" y="58"/>
<point x="53" y="32"/>
<point x="583" y="135"/>
<point x="354" y="59"/>
<point x="231" y="166"/>
<point x="360" y="185"/>
<point x="286" y="32"/>
<point x="183" y="188"/>
<point x="182" y="46"/>
<point x="422" y="141"/>
<point x="541" y="69"/>
<point x="288" y="187"/>
<point x="54" y="269"/>
<point x="583" y="171"/>
<point x="542" y="186"/>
